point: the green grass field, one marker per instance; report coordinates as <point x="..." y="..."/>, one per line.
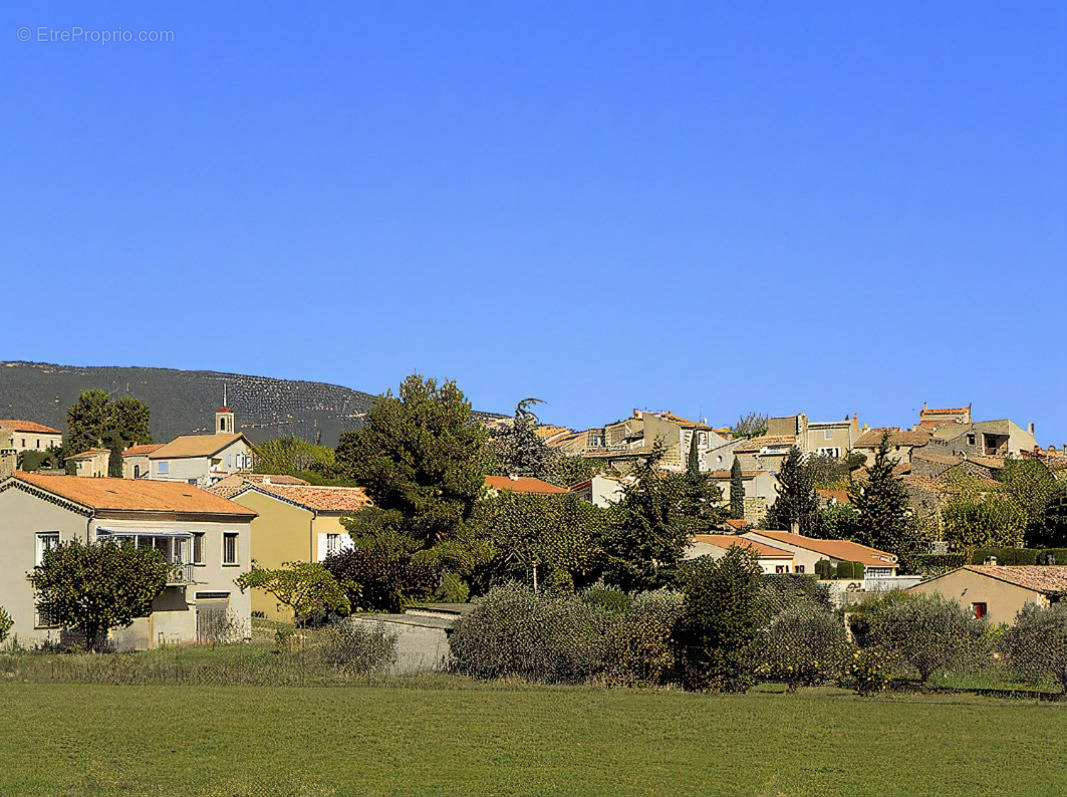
<point x="449" y="736"/>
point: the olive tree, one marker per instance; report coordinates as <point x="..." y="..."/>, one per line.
<point x="925" y="632"/>
<point x="1035" y="646"/>
<point x="307" y="588"/>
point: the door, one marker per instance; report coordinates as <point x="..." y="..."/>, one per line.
<point x="212" y="618"/>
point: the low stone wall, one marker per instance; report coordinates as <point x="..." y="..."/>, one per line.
<point x="421" y="642"/>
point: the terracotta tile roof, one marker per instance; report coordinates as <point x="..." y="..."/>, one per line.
<point x="951" y="460"/>
<point x="841" y="496"/>
<point x="941" y="459"/>
<point x="523" y="484"/>
<point x="195" y="445"/>
<point x="771" y="441"/>
<point x="320" y="499"/>
<point x="548" y="431"/>
<point x="1047" y="579"/>
<point x="141" y="451"/>
<point x="897" y="437"/>
<point x="834" y="549"/>
<point x="235" y="482"/>
<point x="133" y="495"/>
<point x="27" y="426"/>
<point x="939" y="410"/>
<point x="92" y="452"/>
<point x="736" y="523"/>
<point x="630" y="452"/>
<point x="760" y="548"/>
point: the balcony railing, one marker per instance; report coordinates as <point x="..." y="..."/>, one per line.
<point x="181" y="573"/>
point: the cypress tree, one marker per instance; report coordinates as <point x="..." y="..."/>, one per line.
<point x="737" y="490"/>
<point x="797" y="503"/>
<point x="882" y="503"/>
<point x="693" y="464"/>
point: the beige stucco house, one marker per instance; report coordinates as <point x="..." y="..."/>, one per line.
<point x="91" y="464"/>
<point x="135" y="461"/>
<point x="203" y="459"/>
<point x="30" y="436"/>
<point x="770" y="558"/>
<point x="999" y="592"/>
<point x="296" y="523"/>
<point x="206" y="538"/>
<point x="808" y="550"/>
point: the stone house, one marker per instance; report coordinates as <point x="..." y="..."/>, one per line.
<point x="135" y="461"/>
<point x="999" y="438"/>
<point x="31" y="436"/>
<point x="901" y="443"/>
<point x="91" y="464"/>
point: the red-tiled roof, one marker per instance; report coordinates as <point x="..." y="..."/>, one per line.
<point x="522" y="484"/>
<point x="1040" y="578"/>
<point x="841" y="496"/>
<point x="844" y="550"/>
<point x="321" y="499"/>
<point x="133" y="495"/>
<point x="745" y="474"/>
<point x="142" y="451"/>
<point x="27" y="426"/>
<point x="736" y="523"/>
<point x="195" y="445"/>
<point x="724" y="541"/>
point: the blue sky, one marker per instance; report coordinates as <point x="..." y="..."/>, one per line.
<point x="707" y="208"/>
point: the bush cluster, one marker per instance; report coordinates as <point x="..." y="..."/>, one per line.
<point x="1021" y="556"/>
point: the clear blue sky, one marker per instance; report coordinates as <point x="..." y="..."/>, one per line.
<point x="707" y="208"/>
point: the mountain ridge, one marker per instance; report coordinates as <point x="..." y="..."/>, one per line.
<point x="184" y="401"/>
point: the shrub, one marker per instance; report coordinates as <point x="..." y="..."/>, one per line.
<point x="516" y="632"/>
<point x="1035" y="646"/>
<point x="825" y="569"/>
<point x="867" y="670"/>
<point x="936" y="562"/>
<point x="1006" y="556"/>
<point x="607" y="598"/>
<point x="355" y="650"/>
<point x="926" y="632"/>
<point x="717" y="627"/>
<point x="782" y="591"/>
<point x="639" y="643"/>
<point x="849" y="570"/>
<point x="804" y="646"/>
<point x="5" y="624"/>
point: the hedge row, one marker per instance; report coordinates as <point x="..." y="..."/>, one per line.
<point x="1021" y="556"/>
<point x="825" y="569"/>
<point x="947" y="561"/>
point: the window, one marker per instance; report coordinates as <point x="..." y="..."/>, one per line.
<point x="798" y="569"/>
<point x="333" y="543"/>
<point x="229" y="548"/>
<point x="163" y="467"/>
<point x="198" y="547"/>
<point x="46" y="541"/>
<point x="137" y="471"/>
<point x="970" y="440"/>
<point x="979" y="610"/>
<point x="229" y="460"/>
<point x="24" y="442"/>
<point x="828" y="434"/>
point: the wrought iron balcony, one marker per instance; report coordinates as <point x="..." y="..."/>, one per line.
<point x="181" y="574"/>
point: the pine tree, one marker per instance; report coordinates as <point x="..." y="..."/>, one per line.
<point x="882" y="504"/>
<point x="737" y="490"/>
<point x="797" y="504"/>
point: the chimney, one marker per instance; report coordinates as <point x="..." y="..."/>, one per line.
<point x="1030" y="427"/>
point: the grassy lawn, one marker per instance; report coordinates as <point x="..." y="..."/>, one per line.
<point x="450" y="736"/>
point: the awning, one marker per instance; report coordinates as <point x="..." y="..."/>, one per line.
<point x="182" y="535"/>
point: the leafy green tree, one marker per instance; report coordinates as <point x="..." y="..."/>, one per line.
<point x="717" y="630"/>
<point x="94" y="588"/>
<point x="421" y="458"/>
<point x="737" y="490"/>
<point x="545" y="540"/>
<point x="882" y="504"/>
<point x="840" y="521"/>
<point x="94" y="420"/>
<point x="979" y="517"/>
<point x="797" y="504"/>
<point x="653" y="523"/>
<point x="307" y="588"/>
<point x="1051" y="532"/>
<point x="385" y="579"/>
<point x="1035" y="646"/>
